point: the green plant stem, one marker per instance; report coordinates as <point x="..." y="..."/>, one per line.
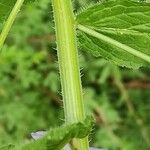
<point x="69" y="66"/>
<point x="10" y="21"/>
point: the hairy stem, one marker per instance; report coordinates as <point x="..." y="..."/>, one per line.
<point x="69" y="66"/>
<point x="10" y="21"/>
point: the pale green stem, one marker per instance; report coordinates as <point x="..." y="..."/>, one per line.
<point x="10" y="21"/>
<point x="69" y="66"/>
<point x="114" y="42"/>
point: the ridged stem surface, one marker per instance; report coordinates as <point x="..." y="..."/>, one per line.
<point x="69" y="66"/>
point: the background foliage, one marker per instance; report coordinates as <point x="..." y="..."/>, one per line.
<point x="30" y="94"/>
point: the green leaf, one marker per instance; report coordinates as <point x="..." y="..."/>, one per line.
<point x="118" y="30"/>
<point x="57" y="138"/>
<point x="6" y="7"/>
<point x="9" y="10"/>
<point x="7" y="147"/>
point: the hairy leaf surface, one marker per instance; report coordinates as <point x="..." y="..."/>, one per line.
<point x="57" y="138"/>
<point x="118" y="30"/>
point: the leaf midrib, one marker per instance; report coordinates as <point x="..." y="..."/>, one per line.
<point x="114" y="42"/>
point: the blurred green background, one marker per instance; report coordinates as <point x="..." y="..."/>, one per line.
<point x="30" y="91"/>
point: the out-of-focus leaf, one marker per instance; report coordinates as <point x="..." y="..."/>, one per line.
<point x="7" y="147"/>
<point x="6" y="7"/>
<point x="67" y="147"/>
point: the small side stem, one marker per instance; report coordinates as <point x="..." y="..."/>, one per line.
<point x="10" y="21"/>
<point x="69" y="66"/>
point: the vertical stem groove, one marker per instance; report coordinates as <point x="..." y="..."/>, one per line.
<point x="10" y="21"/>
<point x="69" y="66"/>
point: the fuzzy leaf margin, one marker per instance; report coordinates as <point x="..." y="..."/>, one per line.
<point x="57" y="138"/>
<point x="117" y="30"/>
